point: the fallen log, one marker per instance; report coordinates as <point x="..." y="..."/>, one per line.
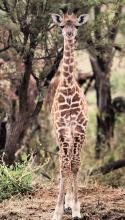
<point x="108" y="167"/>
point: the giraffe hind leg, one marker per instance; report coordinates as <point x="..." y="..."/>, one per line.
<point x="75" y="164"/>
<point x="75" y="202"/>
<point x="64" y="187"/>
<point x="58" y="213"/>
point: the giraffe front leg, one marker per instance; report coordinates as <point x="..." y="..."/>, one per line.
<point x="68" y="201"/>
<point x="75" y="202"/>
<point x="64" y="186"/>
<point x="58" y="213"/>
<point x="68" y="185"/>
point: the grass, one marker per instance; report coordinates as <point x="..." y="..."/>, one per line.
<point x="15" y="180"/>
<point x="114" y="179"/>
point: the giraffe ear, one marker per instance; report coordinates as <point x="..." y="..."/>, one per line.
<point x="83" y="19"/>
<point x="56" y="18"/>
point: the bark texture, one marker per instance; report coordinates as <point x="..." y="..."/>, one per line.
<point x="105" y="116"/>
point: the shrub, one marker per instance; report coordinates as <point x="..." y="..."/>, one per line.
<point x="15" y="180"/>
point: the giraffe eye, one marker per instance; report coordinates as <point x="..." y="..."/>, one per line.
<point x="62" y="26"/>
<point x="76" y="26"/>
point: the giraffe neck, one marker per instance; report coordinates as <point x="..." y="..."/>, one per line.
<point x="68" y="61"/>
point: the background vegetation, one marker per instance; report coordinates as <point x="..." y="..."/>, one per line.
<point x="31" y="49"/>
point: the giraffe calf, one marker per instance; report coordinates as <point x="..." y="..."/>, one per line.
<point x="69" y="115"/>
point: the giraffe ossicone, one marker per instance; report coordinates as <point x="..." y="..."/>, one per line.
<point x="69" y="115"/>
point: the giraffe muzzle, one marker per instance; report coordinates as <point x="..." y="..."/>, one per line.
<point x="69" y="34"/>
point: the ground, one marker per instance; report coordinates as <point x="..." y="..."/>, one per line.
<point x="96" y="204"/>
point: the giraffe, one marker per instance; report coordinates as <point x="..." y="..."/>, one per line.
<point x="69" y="117"/>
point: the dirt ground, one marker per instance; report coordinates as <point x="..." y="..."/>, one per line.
<point x="96" y="203"/>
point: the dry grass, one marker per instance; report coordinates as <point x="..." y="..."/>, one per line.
<point x="96" y="203"/>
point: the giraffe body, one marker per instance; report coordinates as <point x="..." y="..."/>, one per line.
<point x="69" y="116"/>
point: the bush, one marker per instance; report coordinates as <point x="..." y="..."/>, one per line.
<point x="15" y="180"/>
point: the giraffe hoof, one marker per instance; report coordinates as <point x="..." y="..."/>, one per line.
<point x="67" y="210"/>
<point x="76" y="218"/>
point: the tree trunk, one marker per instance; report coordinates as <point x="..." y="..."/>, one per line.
<point x="14" y="131"/>
<point x="105" y="115"/>
<point x="18" y="116"/>
<point x="2" y="135"/>
<point x="20" y="119"/>
<point x="101" y="56"/>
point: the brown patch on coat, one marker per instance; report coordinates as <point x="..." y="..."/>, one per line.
<point x="75" y="98"/>
<point x="61" y="98"/>
<point x="64" y="106"/>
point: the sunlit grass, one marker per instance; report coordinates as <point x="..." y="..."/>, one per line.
<point x="15" y="179"/>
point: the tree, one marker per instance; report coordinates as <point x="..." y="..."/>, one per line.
<point x="101" y="46"/>
<point x="28" y="30"/>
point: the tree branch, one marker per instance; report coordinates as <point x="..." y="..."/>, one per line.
<point x="8" y="10"/>
<point x="108" y="167"/>
<point x="27" y="9"/>
<point x="46" y="82"/>
<point x="25" y="83"/>
<point x="54" y="68"/>
<point x="89" y="84"/>
<point x="4" y="49"/>
<point x="2" y="9"/>
<point x="97" y="31"/>
<point x="44" y="58"/>
<point x="115" y="24"/>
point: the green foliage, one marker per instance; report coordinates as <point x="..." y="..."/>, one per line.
<point x="15" y="180"/>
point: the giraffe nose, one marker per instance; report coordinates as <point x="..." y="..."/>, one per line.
<point x="69" y="34"/>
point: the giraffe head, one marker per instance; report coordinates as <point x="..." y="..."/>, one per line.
<point x="69" y="23"/>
